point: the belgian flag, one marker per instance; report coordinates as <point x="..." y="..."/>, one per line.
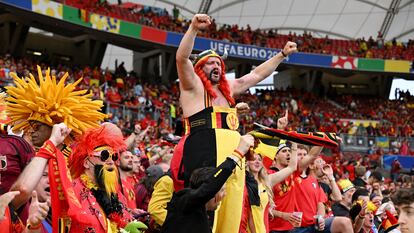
<point x="84" y="15"/>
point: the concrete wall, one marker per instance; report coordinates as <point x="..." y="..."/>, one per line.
<point x="53" y="47"/>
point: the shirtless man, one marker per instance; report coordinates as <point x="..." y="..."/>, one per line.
<point x="206" y="97"/>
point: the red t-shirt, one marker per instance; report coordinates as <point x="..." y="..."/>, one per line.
<point x="246" y="212"/>
<point x="18" y="154"/>
<point x="5" y="223"/>
<point x="284" y="199"/>
<point x="308" y="194"/>
<point x="351" y="169"/>
<point x="129" y="192"/>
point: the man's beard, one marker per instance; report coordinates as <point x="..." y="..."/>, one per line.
<point x="106" y="180"/>
<point x="126" y="168"/>
<point x="211" y="78"/>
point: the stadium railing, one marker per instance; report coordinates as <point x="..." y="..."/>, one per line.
<point x="365" y="143"/>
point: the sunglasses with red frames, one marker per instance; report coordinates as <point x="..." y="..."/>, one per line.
<point x="105" y="156"/>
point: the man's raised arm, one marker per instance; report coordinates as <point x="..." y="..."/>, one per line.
<point x="263" y="70"/>
<point x="28" y="180"/>
<point x="308" y="159"/>
<point x="184" y="66"/>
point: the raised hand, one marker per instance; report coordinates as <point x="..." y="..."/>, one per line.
<point x="364" y="207"/>
<point x="246" y="141"/>
<point x="5" y="199"/>
<point x="201" y="21"/>
<point x="290" y="48"/>
<point x="137" y="129"/>
<point x="59" y="133"/>
<point x="283" y="121"/>
<point x="242" y="108"/>
<point x="328" y="171"/>
<point x="37" y="210"/>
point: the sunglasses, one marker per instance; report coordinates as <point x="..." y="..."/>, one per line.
<point x="104" y="155"/>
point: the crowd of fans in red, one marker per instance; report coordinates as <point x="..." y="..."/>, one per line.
<point x="162" y="19"/>
<point x="129" y="97"/>
<point x="130" y="100"/>
<point x="137" y="106"/>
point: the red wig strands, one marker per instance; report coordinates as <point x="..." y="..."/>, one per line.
<point x="86" y="143"/>
<point x="223" y="84"/>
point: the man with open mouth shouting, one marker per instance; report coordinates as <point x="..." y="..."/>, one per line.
<point x="207" y="98"/>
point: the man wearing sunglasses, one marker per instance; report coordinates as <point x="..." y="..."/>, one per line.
<point x="95" y="184"/>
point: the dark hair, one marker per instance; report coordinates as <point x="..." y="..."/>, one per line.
<point x="359" y="192"/>
<point x="201" y="175"/>
<point x="377" y="175"/>
<point x="403" y="196"/>
<point x="303" y="147"/>
<point x="386" y="192"/>
<point x="360" y="171"/>
<point x="152" y="175"/>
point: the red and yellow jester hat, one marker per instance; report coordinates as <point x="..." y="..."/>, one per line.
<point x="88" y="142"/>
<point x="203" y="57"/>
<point x="224" y="87"/>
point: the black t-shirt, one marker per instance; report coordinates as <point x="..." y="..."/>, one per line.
<point x="325" y="187"/>
<point x="186" y="212"/>
<point x="359" y="182"/>
<point x="340" y="210"/>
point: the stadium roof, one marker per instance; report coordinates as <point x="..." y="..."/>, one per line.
<point x="349" y="19"/>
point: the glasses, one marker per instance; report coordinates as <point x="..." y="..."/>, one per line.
<point x="35" y="125"/>
<point x="104" y="155"/>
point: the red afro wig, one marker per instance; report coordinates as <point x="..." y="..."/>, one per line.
<point x="86" y="143"/>
<point x="223" y="83"/>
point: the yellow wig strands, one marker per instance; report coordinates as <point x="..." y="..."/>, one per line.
<point x="110" y="180"/>
<point x="51" y="103"/>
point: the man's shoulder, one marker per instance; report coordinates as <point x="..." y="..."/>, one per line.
<point x="324" y="186"/>
<point x="339" y="209"/>
<point x="165" y="179"/>
<point x="15" y="143"/>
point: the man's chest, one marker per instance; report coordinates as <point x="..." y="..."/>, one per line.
<point x="220" y="100"/>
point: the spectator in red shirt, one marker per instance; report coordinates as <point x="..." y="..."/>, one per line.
<point x="351" y="170"/>
<point x="125" y="164"/>
<point x="310" y="199"/>
<point x="15" y="154"/>
<point x="395" y="169"/>
<point x="404" y="149"/>
<point x="284" y="197"/>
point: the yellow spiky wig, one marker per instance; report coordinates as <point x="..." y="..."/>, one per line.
<point x="3" y="115"/>
<point x="51" y="103"/>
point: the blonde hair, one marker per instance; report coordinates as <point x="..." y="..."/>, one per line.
<point x="264" y="180"/>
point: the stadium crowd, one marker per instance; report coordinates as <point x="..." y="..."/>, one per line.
<point x="105" y="177"/>
<point x="162" y="19"/>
